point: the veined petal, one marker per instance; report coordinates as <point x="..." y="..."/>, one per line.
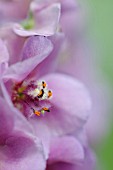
<point x="36" y="52"/>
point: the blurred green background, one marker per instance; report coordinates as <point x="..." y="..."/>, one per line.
<point x="102" y="31"/>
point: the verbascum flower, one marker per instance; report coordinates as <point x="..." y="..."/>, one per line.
<point x="55" y="105"/>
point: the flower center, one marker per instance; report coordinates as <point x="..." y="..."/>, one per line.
<point x="33" y="95"/>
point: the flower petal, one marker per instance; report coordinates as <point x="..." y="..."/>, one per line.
<point x="71" y="102"/>
<point x="88" y="163"/>
<point x="19" y="148"/>
<point x="13" y="42"/>
<point x="46" y="22"/>
<point x="6" y="120"/>
<point x="50" y="63"/>
<point x="21" y="152"/>
<point x="65" y="149"/>
<point x="36" y="52"/>
<point x="19" y="120"/>
<point x="70" y="106"/>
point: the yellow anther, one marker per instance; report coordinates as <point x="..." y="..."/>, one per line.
<point x="50" y="93"/>
<point x="44" y="84"/>
<point x="36" y="112"/>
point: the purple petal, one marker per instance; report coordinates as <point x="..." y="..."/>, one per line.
<point x="70" y="106"/>
<point x="50" y="63"/>
<point x="21" y="152"/>
<point x="35" y="49"/>
<point x="13" y="42"/>
<point x="34" y="46"/>
<point x="87" y="164"/>
<point x="19" y="120"/>
<point x="46" y="22"/>
<point x="65" y="149"/>
<point x="19" y="148"/>
<point x="70" y="100"/>
<point x="6" y="120"/>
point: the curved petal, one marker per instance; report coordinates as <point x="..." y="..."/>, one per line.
<point x="70" y="106"/>
<point x="49" y="65"/>
<point x="66" y="149"/>
<point x="46" y="22"/>
<point x="21" y="152"/>
<point x="36" y="52"/>
<point x="88" y="163"/>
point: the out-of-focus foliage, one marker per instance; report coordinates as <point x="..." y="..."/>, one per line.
<point x="102" y="33"/>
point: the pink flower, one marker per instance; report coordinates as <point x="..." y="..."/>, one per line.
<point x="52" y="119"/>
<point x="54" y="107"/>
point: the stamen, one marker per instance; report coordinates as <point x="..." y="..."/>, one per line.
<point x="50" y="94"/>
<point x="34" y="94"/>
<point x="44" y="84"/>
<point x="40" y="95"/>
<point x="46" y="109"/>
<point x="36" y="112"/>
